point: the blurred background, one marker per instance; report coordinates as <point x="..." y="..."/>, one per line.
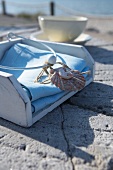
<point x="22" y="15"/>
<point x="64" y="7"/>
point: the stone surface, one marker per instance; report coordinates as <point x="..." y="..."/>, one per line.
<point x="77" y="135"/>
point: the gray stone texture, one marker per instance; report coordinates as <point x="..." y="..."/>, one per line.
<point x="77" y="135"/>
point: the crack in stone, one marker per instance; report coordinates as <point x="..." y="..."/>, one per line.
<point x="63" y="131"/>
<point x="49" y="123"/>
<point x="107" y="80"/>
<point x="103" y="130"/>
<point x="2" y="136"/>
<point x="20" y="147"/>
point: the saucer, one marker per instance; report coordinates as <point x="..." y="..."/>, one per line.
<point x="83" y="38"/>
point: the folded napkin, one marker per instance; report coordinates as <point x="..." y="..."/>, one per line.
<point x="22" y="55"/>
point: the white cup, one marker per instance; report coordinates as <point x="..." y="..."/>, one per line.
<point x="62" y="28"/>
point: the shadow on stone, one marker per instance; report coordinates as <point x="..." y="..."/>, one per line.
<point x="95" y="30"/>
<point x="79" y="153"/>
<point x="100" y="54"/>
<point x="98" y="99"/>
<point x="110" y="32"/>
<point x="67" y="129"/>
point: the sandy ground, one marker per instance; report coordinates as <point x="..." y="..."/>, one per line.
<point x="15" y="21"/>
<point x="101" y="28"/>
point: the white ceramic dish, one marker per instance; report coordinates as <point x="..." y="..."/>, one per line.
<point x="83" y="38"/>
<point x="62" y="28"/>
<point x="42" y="36"/>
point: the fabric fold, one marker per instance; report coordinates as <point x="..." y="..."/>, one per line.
<point x="22" y="55"/>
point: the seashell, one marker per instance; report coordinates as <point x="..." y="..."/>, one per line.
<point x="72" y="80"/>
<point x="51" y="60"/>
<point x="65" y="74"/>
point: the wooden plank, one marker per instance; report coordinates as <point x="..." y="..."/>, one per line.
<point x="12" y="106"/>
